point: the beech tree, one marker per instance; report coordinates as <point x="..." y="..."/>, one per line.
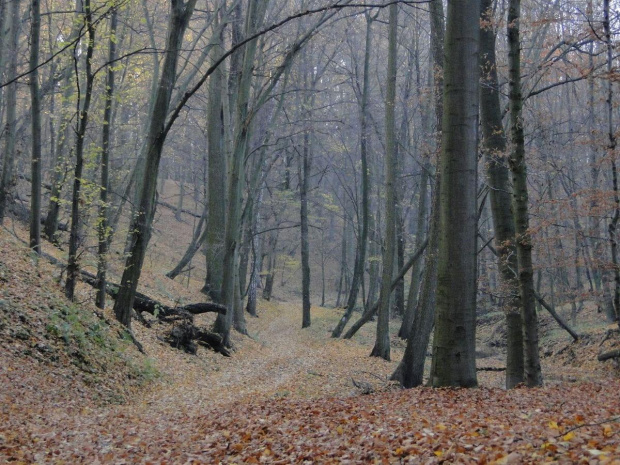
<point x="454" y="347"/>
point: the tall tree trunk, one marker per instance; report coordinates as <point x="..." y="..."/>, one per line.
<point x="533" y="375"/>
<point x="10" y="127"/>
<point x="498" y="178"/>
<point x="360" y="253"/>
<point x="304" y="183"/>
<point x="73" y="266"/>
<point x="35" y="98"/>
<point x="611" y="149"/>
<point x="216" y="185"/>
<point x="454" y="344"/>
<point x="382" y="342"/>
<point x="254" y="19"/>
<point x="103" y="224"/>
<point x="141" y="224"/>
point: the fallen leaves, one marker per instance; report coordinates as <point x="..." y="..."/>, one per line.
<point x="284" y="397"/>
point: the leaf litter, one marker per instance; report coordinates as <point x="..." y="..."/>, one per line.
<point x="285" y="396"/>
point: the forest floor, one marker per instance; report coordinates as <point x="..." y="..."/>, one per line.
<point x="72" y="391"/>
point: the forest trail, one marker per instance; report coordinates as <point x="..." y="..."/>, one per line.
<point x="285" y="396"/>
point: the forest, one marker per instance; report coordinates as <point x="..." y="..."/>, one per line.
<point x="268" y="231"/>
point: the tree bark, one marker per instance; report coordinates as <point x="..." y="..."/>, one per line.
<point x="454" y="351"/>
<point x="532" y="371"/>
<point x="35" y="98"/>
<point x="10" y="127"/>
<point x="216" y="185"/>
<point x="104" y="224"/>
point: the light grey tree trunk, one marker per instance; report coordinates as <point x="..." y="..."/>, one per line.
<point x="216" y="184"/>
<point x="498" y="178"/>
<point x="533" y="375"/>
<point x="454" y="344"/>
<point x="382" y="342"/>
<point x="10" y="126"/>
<point x="103" y="222"/>
<point x="35" y="98"/>
<point x="141" y="226"/>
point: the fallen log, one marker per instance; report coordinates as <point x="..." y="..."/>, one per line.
<point x="143" y="303"/>
<point x="173" y="208"/>
<point x="185" y="336"/>
<point x="607" y="355"/>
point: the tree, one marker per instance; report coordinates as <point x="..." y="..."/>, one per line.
<point x="454" y="350"/>
<point x="10" y="127"/>
<point x="180" y="13"/>
<point x="83" y="108"/>
<point x="533" y="375"/>
<point x="362" y="238"/>
<point x="103" y="226"/>
<point x="382" y="342"/>
<point x="35" y="98"/>
<point x="498" y="176"/>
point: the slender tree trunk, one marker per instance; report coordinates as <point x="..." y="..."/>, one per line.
<point x="103" y="225"/>
<point x="35" y="98"/>
<point x="10" y="127"/>
<point x="611" y="149"/>
<point x="198" y="239"/>
<point x="305" y="170"/>
<point x="382" y="342"/>
<point x="405" y="328"/>
<point x="533" y="375"/>
<point x="141" y="225"/>
<point x="271" y="266"/>
<point x="498" y="178"/>
<point x="360" y="255"/>
<point x="256" y="254"/>
<point x="454" y="350"/>
<point x="73" y="266"/>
